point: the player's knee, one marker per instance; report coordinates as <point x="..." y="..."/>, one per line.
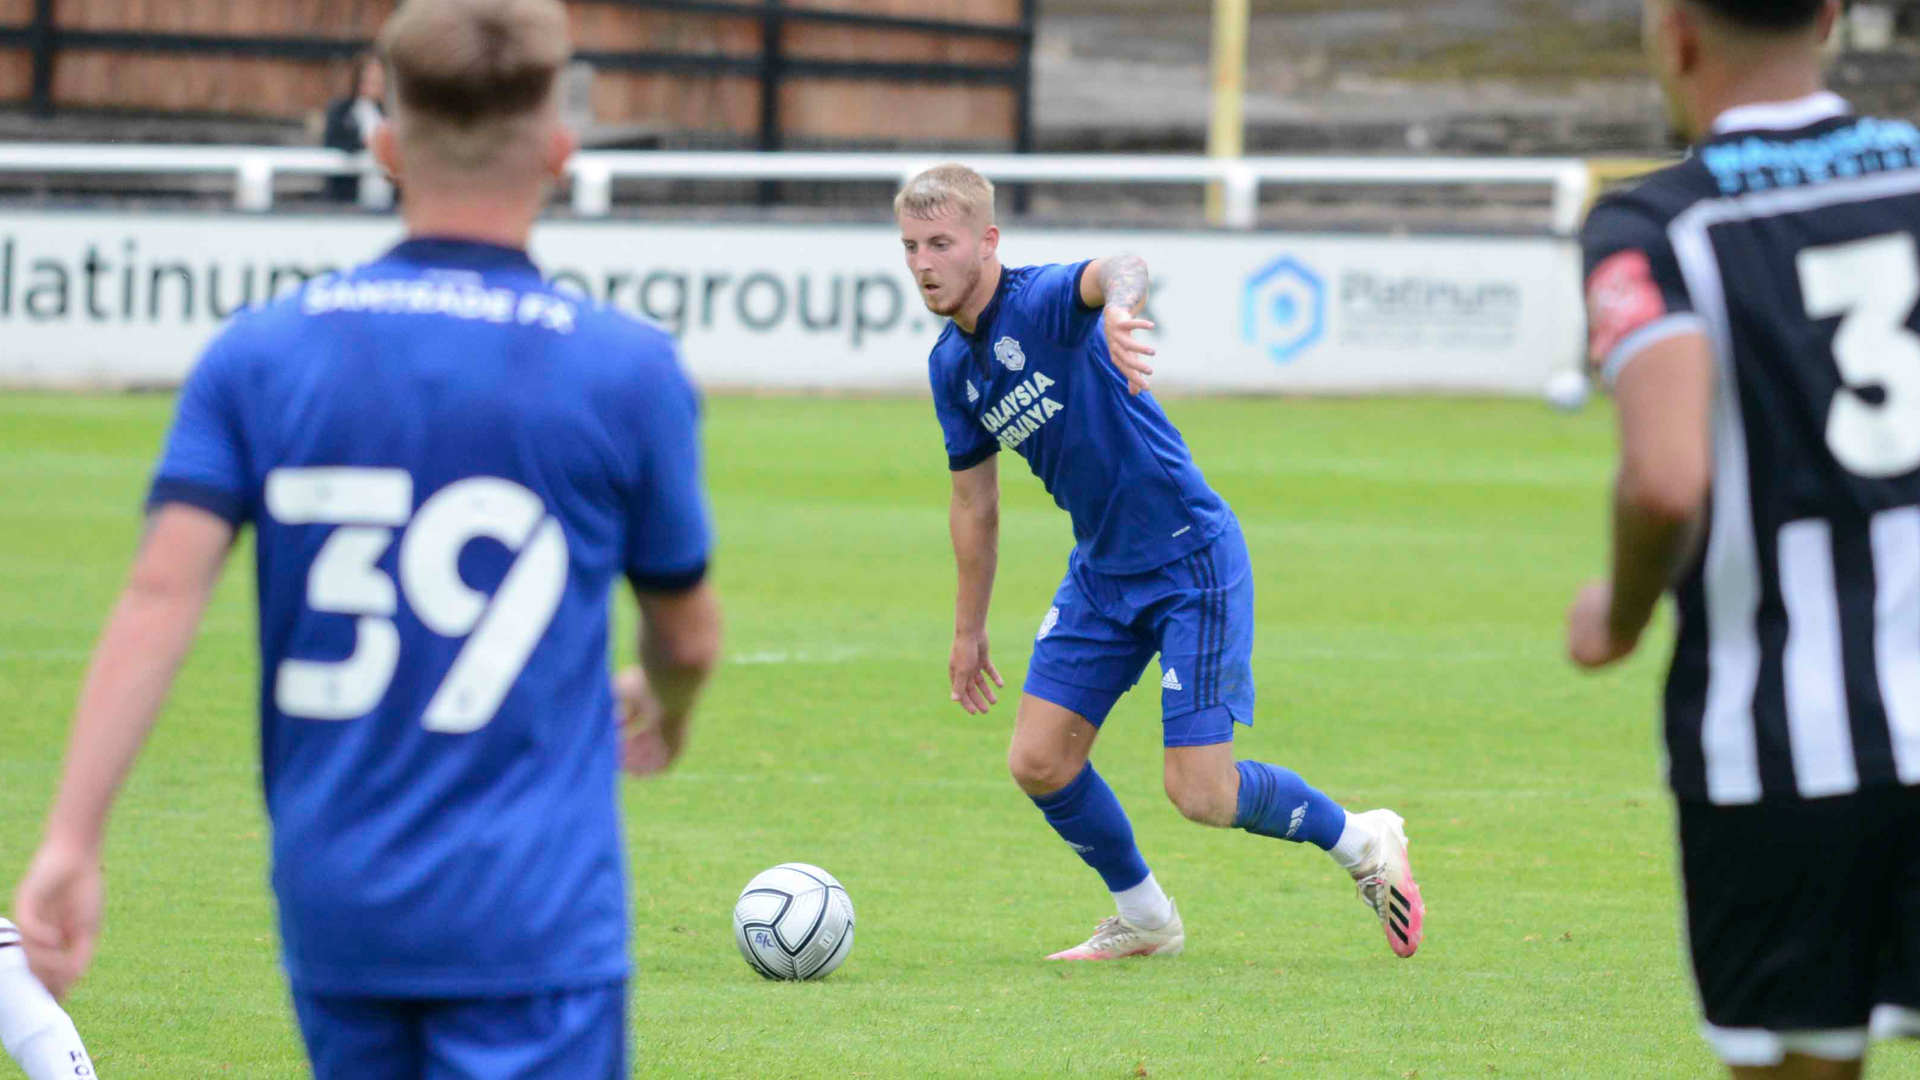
<point x="1202" y="799"/>
<point x="1040" y="773"/>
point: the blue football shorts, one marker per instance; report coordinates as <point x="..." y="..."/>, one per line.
<point x="564" y="1035"/>
<point x="1195" y="612"/>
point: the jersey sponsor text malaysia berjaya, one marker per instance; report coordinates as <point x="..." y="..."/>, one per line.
<point x="1035" y="377"/>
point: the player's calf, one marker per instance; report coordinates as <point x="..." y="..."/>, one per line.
<point x="1049" y="739"/>
<point x="1203" y="784"/>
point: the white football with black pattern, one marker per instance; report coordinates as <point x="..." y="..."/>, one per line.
<point x="794" y="922"/>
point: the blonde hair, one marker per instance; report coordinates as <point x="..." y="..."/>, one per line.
<point x="470" y="75"/>
<point x="946" y="189"/>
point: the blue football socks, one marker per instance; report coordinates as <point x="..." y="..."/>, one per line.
<point x="1276" y="802"/>
<point x="1088" y="817"/>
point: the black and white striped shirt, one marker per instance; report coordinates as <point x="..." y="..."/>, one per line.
<point x="1791" y="240"/>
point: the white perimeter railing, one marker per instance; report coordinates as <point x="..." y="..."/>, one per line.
<point x="253" y="170"/>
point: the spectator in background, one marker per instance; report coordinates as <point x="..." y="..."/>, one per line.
<point x="351" y="120"/>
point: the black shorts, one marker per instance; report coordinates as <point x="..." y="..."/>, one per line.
<point x="1804" y="916"/>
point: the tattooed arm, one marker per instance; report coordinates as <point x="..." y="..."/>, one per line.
<point x="1117" y="285"/>
<point x="1115" y="281"/>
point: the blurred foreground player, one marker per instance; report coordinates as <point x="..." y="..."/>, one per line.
<point x="448" y="464"/>
<point x="34" y="1030"/>
<point x="1042" y="360"/>
<point x="1755" y="309"/>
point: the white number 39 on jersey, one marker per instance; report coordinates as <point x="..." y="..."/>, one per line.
<point x="368" y="505"/>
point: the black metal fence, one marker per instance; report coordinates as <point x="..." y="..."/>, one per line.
<point x="44" y="39"/>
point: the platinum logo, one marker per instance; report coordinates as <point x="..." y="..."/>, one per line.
<point x="1022" y="412"/>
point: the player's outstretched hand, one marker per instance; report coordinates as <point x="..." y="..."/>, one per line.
<point x="971" y="674"/>
<point x="1129" y="354"/>
<point x="644" y="750"/>
<point x="1590" y="639"/>
<point x="58" y="911"/>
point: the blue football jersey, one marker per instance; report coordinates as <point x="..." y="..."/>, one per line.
<point x="1035" y="377"/>
<point x="448" y="464"/>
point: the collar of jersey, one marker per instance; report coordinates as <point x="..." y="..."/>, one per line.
<point x="1782" y="115"/>
<point x="465" y="254"/>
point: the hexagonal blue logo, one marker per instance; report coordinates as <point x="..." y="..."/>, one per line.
<point x="1284" y="309"/>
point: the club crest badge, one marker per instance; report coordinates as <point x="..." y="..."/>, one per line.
<point x="1008" y="352"/>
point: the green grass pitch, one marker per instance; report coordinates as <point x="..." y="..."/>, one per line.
<point x="1413" y="561"/>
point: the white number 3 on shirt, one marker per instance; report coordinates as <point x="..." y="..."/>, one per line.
<point x="1873" y="286"/>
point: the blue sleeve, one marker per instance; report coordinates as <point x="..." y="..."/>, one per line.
<point x="968" y="443"/>
<point x="669" y="534"/>
<point x="1053" y="302"/>
<point x="205" y="461"/>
